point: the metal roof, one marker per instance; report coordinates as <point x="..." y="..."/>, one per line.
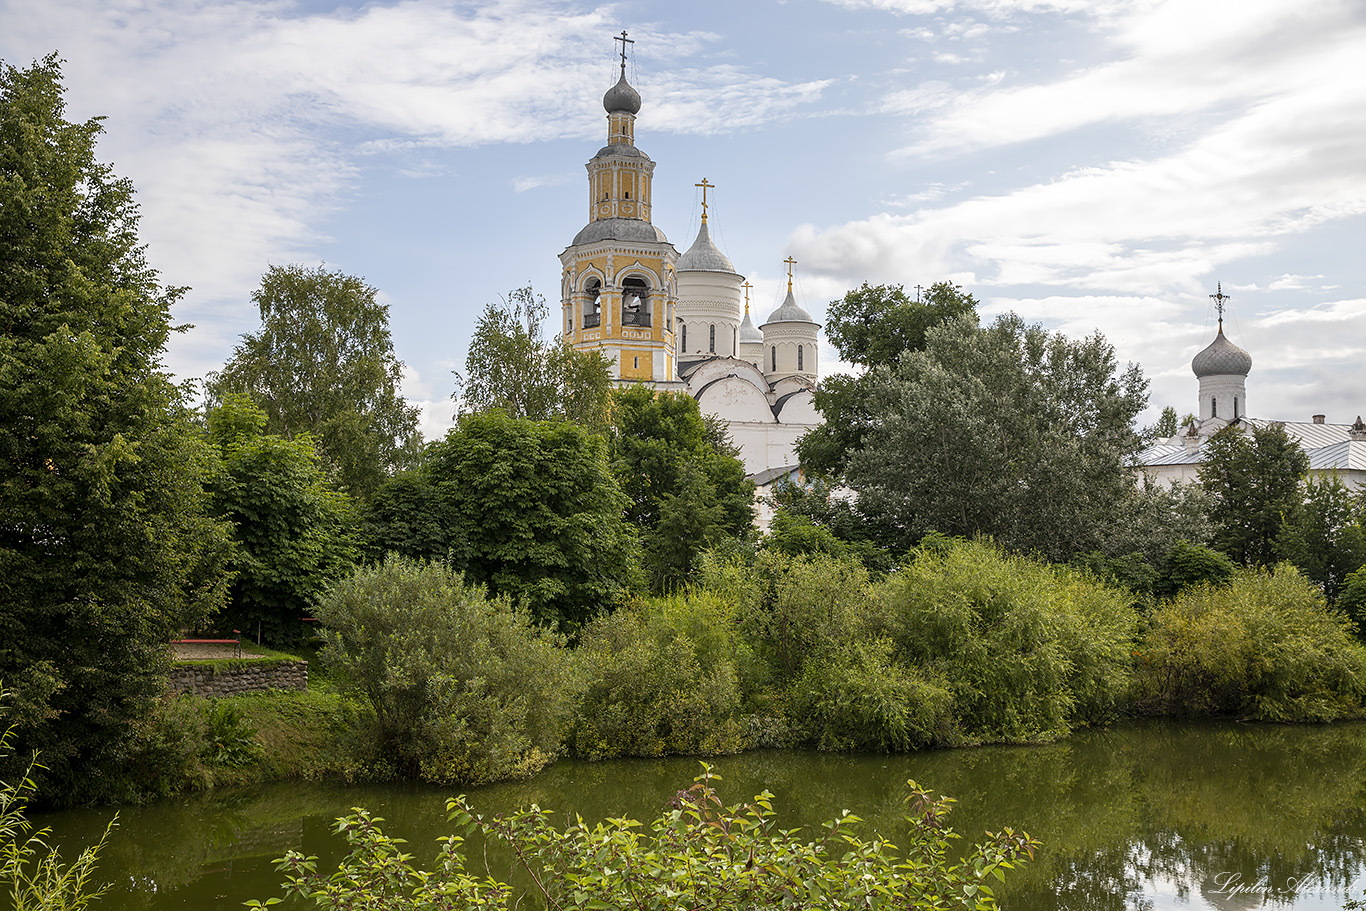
<point x="703" y="256"/>
<point x="1329" y="447"/>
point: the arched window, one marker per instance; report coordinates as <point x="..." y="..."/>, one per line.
<point x="800" y="351"/>
<point x="685" y="338"/>
<point x="773" y="353"/>
<point x="635" y="302"/>
<point x="1213" y="407"/>
<point x="711" y="342"/>
<point x="734" y="348"/>
<point x="637" y="363"/>
<point x="1235" y="407"/>
<point x="592" y="314"/>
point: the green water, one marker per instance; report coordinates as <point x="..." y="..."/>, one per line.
<point x="1153" y="816"/>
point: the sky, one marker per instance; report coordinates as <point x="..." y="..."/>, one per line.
<point x="1092" y="165"/>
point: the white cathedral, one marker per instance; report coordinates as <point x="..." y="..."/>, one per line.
<point x="682" y="322"/>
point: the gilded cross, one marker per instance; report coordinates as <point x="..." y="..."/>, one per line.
<point x="705" y="187"/>
<point x="746" y="286"/>
<point x="790" y="263"/>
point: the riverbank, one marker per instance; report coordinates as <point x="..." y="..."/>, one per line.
<point x="1141" y="814"/>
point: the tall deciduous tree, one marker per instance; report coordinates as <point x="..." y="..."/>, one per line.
<point x="685" y="483"/>
<point x="536" y="512"/>
<point x="1325" y="535"/>
<point x="323" y="364"/>
<point x="511" y="368"/>
<point x="1253" y="482"/>
<point x="105" y="551"/>
<point x="873" y="326"/>
<point x="1009" y="431"/>
<point x="294" y="533"/>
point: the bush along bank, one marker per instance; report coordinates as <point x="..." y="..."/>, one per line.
<point x="424" y="676"/>
<point x="965" y="644"/>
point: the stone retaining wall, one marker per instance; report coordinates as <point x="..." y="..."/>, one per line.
<point x="209" y="680"/>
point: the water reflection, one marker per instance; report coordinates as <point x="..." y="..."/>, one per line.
<point x="1152" y="816"/>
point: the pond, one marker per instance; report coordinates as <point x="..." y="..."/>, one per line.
<point x="1145" y="816"/>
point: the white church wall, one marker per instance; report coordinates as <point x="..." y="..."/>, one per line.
<point x="733" y="398"/>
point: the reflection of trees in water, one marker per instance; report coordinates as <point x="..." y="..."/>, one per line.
<point x="1117" y="810"/>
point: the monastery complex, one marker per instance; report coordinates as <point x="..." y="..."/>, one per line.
<point x="682" y="322"/>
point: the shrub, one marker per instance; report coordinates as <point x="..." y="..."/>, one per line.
<point x="858" y="697"/>
<point x="1263" y="646"/>
<point x="1026" y="649"/>
<point x="792" y="607"/>
<point x="662" y="676"/>
<point x="464" y="687"/>
<point x="699" y="854"/>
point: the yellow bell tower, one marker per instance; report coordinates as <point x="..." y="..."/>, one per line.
<point x="618" y="287"/>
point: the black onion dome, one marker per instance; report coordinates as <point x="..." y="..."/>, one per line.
<point x="621" y="98"/>
<point x="1222" y="358"/>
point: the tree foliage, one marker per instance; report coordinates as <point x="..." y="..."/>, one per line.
<point x="105" y="550"/>
<point x="511" y="368"/>
<point x="1325" y="534"/>
<point x="538" y="511"/>
<point x="1253" y="482"/>
<point x="295" y="534"/>
<point x="872" y="326"/>
<point x="684" y="480"/>
<point x="323" y="364"/>
<point x="1009" y="431"/>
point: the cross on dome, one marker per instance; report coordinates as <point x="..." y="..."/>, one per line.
<point x="790" y="263"/>
<point x="705" y="186"/>
<point x="624" y="41"/>
<point x="1219" y="299"/>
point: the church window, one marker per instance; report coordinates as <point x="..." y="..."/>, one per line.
<point x="628" y="194"/>
<point x="1235" y="407"/>
<point x="800" y="351"/>
<point x="773" y="353"/>
<point x="1214" y="408"/>
<point x="734" y="348"/>
<point x="637" y="362"/>
<point x="711" y="343"/>
<point x="685" y="338"/>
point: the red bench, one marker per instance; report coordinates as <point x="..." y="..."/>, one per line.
<point x="237" y="642"/>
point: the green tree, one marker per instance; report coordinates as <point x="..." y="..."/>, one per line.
<point x="1009" y="431"/>
<point x="685" y="483"/>
<point x="105" y="550"/>
<point x="1253" y="482"/>
<point x="871" y="326"/>
<point x="1325" y="534"/>
<point x="323" y="364"/>
<point x="539" y="512"/>
<point x="294" y="533"/>
<point x="511" y="368"/>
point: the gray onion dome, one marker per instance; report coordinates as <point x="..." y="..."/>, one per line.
<point x="1222" y="358"/>
<point x="703" y="256"/>
<point x="789" y="312"/>
<point x="621" y="98"/>
<point x="748" y="333"/>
